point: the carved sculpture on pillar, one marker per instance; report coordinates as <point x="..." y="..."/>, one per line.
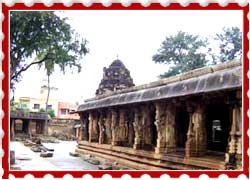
<point x="160" y="123"/>
<point x="123" y="127"/>
<point x="234" y="159"/>
<point x="239" y="131"/>
<point x="108" y="129"/>
<point x="138" y="128"/>
<point x="170" y="129"/>
<point x="190" y="134"/>
<point x="197" y="138"/>
<point x="114" y="127"/>
<point x="93" y="127"/>
<point x="131" y="132"/>
<point x="199" y="131"/>
<point x="146" y="126"/>
<point x="91" y="117"/>
<point x="101" y="128"/>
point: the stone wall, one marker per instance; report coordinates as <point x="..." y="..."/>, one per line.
<point x="62" y="129"/>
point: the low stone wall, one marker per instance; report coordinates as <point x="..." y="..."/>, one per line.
<point x="62" y="129"/>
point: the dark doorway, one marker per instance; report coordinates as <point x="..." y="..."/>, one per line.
<point x="154" y="130"/>
<point x="182" y="122"/>
<point x="85" y="126"/>
<point x="39" y="127"/>
<point x="18" y="124"/>
<point x="217" y="124"/>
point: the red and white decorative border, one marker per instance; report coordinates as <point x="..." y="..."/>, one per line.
<point x="123" y="5"/>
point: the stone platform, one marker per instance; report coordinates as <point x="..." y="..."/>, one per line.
<point x="148" y="160"/>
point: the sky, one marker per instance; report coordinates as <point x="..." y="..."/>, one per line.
<point x="134" y="36"/>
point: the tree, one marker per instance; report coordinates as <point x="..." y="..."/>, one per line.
<point x="182" y="53"/>
<point x="47" y="38"/>
<point x="51" y="113"/>
<point x="230" y="45"/>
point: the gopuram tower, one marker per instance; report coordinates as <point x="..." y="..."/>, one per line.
<point x="115" y="77"/>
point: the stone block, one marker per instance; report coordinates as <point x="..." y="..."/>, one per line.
<point x="36" y="149"/>
<point x="93" y="161"/>
<point x="105" y="167"/>
<point x="46" y="154"/>
<point x="74" y="154"/>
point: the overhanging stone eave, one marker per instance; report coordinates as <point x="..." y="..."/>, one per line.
<point x="156" y="99"/>
<point x="217" y="81"/>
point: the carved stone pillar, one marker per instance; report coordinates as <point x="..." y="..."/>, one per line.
<point x="138" y="129"/>
<point x="123" y="127"/>
<point x="235" y="145"/>
<point x="200" y="134"/>
<point x="108" y="129"/>
<point x="239" y="139"/>
<point x="160" y="123"/>
<point x="197" y="138"/>
<point x="170" y="129"/>
<point x="114" y="127"/>
<point x="190" y="135"/>
<point x="91" y="119"/>
<point x="239" y="131"/>
<point x="101" y="128"/>
<point x="146" y="126"/>
<point x="131" y="132"/>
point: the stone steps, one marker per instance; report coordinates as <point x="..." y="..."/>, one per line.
<point x="149" y="159"/>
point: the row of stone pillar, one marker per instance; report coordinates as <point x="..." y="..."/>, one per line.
<point x="118" y="126"/>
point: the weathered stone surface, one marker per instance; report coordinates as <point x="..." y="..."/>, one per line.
<point x="116" y="77"/>
<point x="196" y="136"/>
<point x="93" y="127"/>
<point x="160" y="124"/>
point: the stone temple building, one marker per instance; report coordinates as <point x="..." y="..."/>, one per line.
<point x="116" y="77"/>
<point x="189" y="121"/>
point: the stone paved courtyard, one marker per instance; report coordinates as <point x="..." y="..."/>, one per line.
<point x="61" y="159"/>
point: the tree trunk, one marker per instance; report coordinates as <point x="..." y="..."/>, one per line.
<point x="46" y="108"/>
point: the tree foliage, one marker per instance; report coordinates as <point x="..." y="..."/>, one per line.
<point x="51" y="113"/>
<point x="182" y="52"/>
<point x="45" y="36"/>
<point x="230" y="45"/>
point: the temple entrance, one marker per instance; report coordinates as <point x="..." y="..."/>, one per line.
<point x="217" y="124"/>
<point x="182" y="122"/>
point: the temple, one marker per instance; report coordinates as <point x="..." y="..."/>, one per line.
<point x="189" y="121"/>
<point x="116" y="77"/>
